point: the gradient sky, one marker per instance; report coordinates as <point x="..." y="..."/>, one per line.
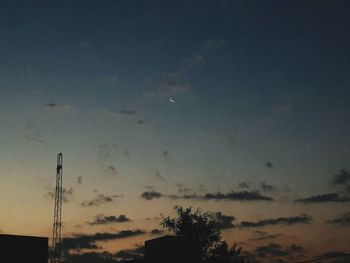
<point x="261" y="109"/>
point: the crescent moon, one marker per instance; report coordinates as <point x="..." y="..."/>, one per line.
<point x="171" y="100"/>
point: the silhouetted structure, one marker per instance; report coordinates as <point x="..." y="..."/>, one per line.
<point x="23" y="248"/>
<point x="56" y="235"/>
<point x="169" y="249"/>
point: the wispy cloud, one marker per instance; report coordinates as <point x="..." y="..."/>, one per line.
<point x="274" y="249"/>
<point x="159" y="176"/>
<point x="128" y="112"/>
<point x="79" y="179"/>
<point x="194" y="60"/>
<point x="156" y="231"/>
<point x="342" y="256"/>
<point x="267" y="187"/>
<point x="100" y="199"/>
<point x="245" y="185"/>
<point x="151" y="195"/>
<point x="269" y="164"/>
<point x="214" y="44"/>
<point x="111" y="170"/>
<point x="52" y="106"/>
<point x="342" y="180"/>
<point x="261" y="235"/>
<point x="170" y="85"/>
<point x="34" y="135"/>
<point x="105" y="152"/>
<point x="223" y="221"/>
<point x="81" y="241"/>
<point x="104" y="220"/>
<point x="105" y="159"/>
<point x="35" y="138"/>
<point x="67" y="194"/>
<point x="323" y="198"/>
<point x="233" y="196"/>
<point x="130" y="254"/>
<point x="300" y="219"/>
<point x="343" y="220"/>
<point x="104" y="257"/>
<point x="182" y="189"/>
<point x="238" y="196"/>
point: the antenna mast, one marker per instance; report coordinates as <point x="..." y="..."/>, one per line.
<point x="57" y="223"/>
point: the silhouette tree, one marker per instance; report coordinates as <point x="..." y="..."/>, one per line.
<point x="201" y="231"/>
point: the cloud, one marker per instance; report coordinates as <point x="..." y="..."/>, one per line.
<point x="35" y="138"/>
<point x="168" y="85"/>
<point x="295" y="248"/>
<point x="269" y="164"/>
<point x="82" y="241"/>
<point x="330" y="255"/>
<point x="90" y="257"/>
<point x="347" y="189"/>
<point x="262" y="186"/>
<point x="67" y="194"/>
<point x="244" y="185"/>
<point x="238" y="196"/>
<point x="79" y="179"/>
<point x="158" y="176"/>
<point x="233" y="196"/>
<point x="128" y="112"/>
<point x="34" y="135"/>
<point x="194" y="60"/>
<point x="267" y="187"/>
<point x="130" y="254"/>
<point x="51" y="105"/>
<point x="323" y="198"/>
<point x="182" y="189"/>
<point x="249" y="256"/>
<point x="105" y="151"/>
<point x="300" y="219"/>
<point x="78" y="242"/>
<point x="175" y="83"/>
<point x="223" y="221"/>
<point x="111" y="170"/>
<point x="271" y="249"/>
<point x="274" y="249"/>
<point x="104" y="158"/>
<point x="151" y="195"/>
<point x="126" y="152"/>
<point x="100" y="199"/>
<point x="139" y="122"/>
<point x="59" y="107"/>
<point x="156" y="231"/>
<point x="154" y="195"/>
<point x="261" y="235"/>
<point x="214" y="44"/>
<point x="343" y="178"/>
<point x="103" y="220"/>
<point x="343" y="220"/>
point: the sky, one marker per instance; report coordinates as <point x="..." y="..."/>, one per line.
<point x="236" y="107"/>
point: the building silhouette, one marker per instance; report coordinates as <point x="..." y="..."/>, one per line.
<point x="170" y="249"/>
<point x="24" y="248"/>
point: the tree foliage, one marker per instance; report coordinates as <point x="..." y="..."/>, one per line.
<point x="200" y="229"/>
